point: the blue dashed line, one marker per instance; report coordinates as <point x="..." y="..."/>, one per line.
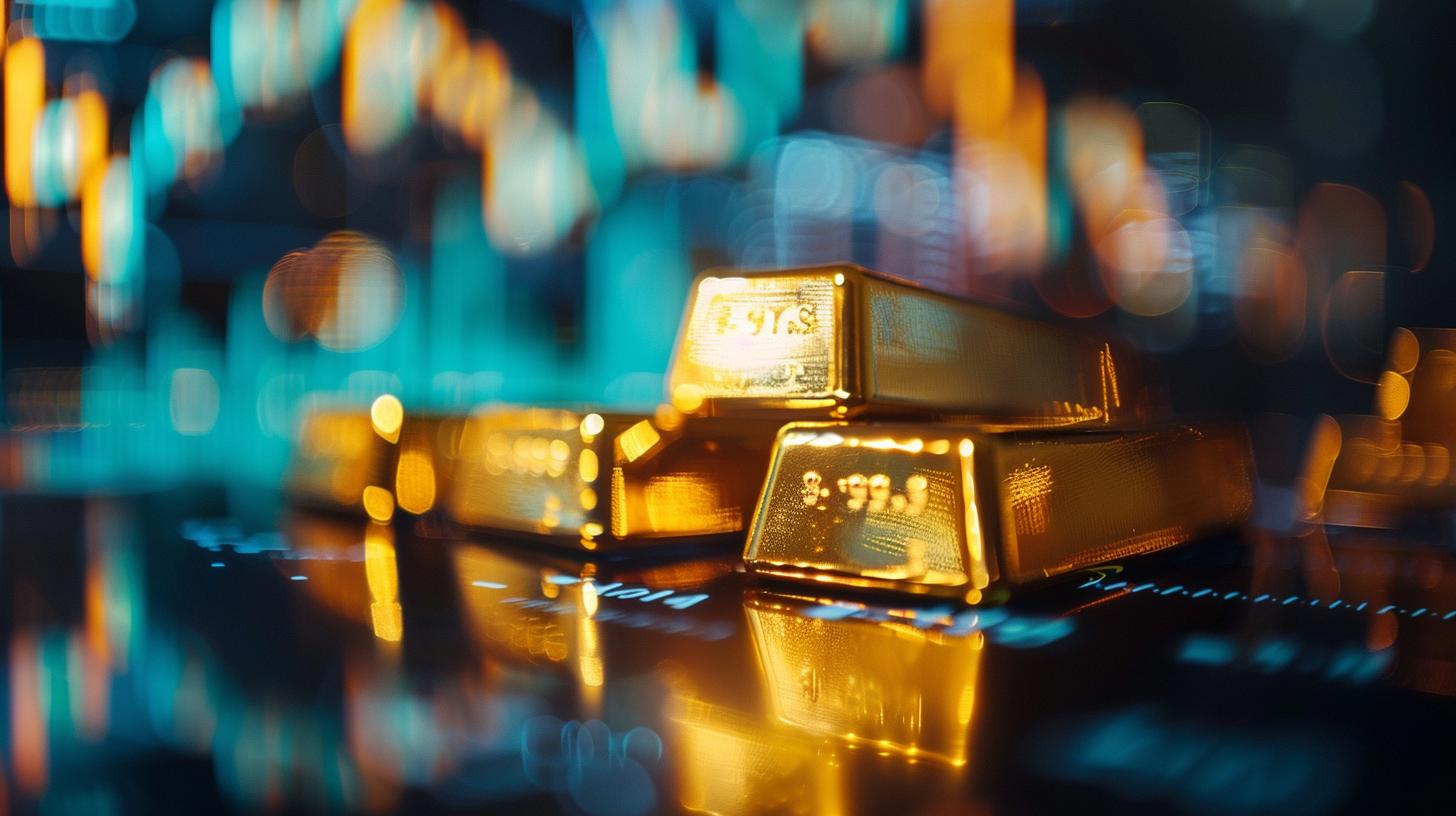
<point x="487" y="585"/>
<point x="298" y="577"/>
<point x="218" y="564"/>
<point x="1313" y="602"/>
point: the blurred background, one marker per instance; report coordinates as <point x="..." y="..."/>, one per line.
<point x="221" y="214"/>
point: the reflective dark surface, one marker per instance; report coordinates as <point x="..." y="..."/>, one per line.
<point x="190" y="652"/>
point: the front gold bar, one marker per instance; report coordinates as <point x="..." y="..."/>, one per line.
<point x="594" y="481"/>
<point x="840" y="341"/>
<point x="375" y="459"/>
<point x="951" y="510"/>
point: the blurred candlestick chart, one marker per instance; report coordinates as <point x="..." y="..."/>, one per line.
<point x="221" y="215"/>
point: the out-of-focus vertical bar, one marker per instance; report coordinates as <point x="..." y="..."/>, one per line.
<point x="24" y="95"/>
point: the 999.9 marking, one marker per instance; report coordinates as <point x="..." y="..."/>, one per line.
<point x="873" y="493"/>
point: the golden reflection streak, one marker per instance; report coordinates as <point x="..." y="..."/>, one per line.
<point x="382" y="576"/>
<point x="884" y="686"/>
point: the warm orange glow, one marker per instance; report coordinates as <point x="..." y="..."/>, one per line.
<point x="378" y="503"/>
<point x="365" y="122"/>
<point x="414" y="481"/>
<point x="968" y="67"/>
<point x="24" y="96"/>
<point x="383" y="577"/>
<point x="387" y="415"/>
<point x="28" y="751"/>
<point x="91" y="220"/>
<point x="637" y="440"/>
<point x="95" y="135"/>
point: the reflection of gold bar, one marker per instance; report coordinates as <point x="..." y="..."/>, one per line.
<point x="352" y="458"/>
<point x="884" y="685"/>
<point x="729" y="763"/>
<point x="947" y="510"/>
<point x="837" y="341"/>
<point x="608" y="479"/>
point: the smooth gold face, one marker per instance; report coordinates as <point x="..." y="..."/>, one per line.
<point x="770" y="337"/>
<point x="871" y="503"/>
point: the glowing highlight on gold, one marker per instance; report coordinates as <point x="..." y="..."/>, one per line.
<point x="900" y="507"/>
<point x="841" y="340"/>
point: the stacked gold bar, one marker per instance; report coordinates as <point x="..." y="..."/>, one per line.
<point x="759" y="349"/>
<point x="841" y="341"/>
<point x="962" y="497"/>
<point x="1020" y="450"/>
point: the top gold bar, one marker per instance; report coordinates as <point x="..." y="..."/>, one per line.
<point x="842" y="341"/>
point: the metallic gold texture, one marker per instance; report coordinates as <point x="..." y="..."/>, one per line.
<point x="591" y="481"/>
<point x="841" y="341"/>
<point x="887" y="686"/>
<point x="949" y="510"/>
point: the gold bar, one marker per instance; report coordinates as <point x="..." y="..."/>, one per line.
<point x="375" y="459"/>
<point x="840" y="341"/>
<point x="1386" y="466"/>
<point x="542" y="471"/>
<point x="590" y="481"/>
<point x="951" y="510"/>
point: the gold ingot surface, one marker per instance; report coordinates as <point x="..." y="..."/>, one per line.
<point x="636" y="480"/>
<point x="949" y="510"/>
<point x="544" y="471"/>
<point x="840" y="341"/>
